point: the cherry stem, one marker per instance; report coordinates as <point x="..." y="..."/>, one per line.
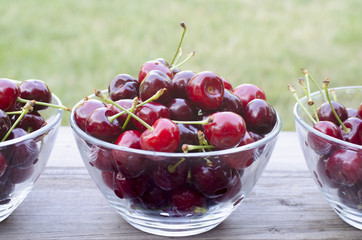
<point x="14" y="112"/>
<point x="104" y="99"/>
<point x="178" y="56"/>
<point x="305" y="71"/>
<point x="202" y="139"/>
<point x="132" y="109"/>
<point x="200" y="210"/>
<point x="154" y="97"/>
<point x="29" y="106"/>
<point x="189" y="147"/>
<point x="182" y="24"/>
<point x="310" y="101"/>
<point x="202" y="122"/>
<point x="172" y="167"/>
<point x="325" y="86"/>
<point x="189" y="56"/>
<point x="44" y="104"/>
<point x="292" y="90"/>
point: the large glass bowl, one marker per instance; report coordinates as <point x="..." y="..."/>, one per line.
<point x="150" y="210"/>
<point x="28" y="156"/>
<point x="345" y="199"/>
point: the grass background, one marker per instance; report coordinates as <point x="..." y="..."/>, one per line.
<point x="76" y="46"/>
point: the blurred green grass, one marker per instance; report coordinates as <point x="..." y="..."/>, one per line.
<point x="77" y="46"/>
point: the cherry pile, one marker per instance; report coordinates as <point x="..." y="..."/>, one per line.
<point x="338" y="167"/>
<point x="20" y="105"/>
<point x="167" y="109"/>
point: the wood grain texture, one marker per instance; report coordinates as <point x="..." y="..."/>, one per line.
<point x="285" y="204"/>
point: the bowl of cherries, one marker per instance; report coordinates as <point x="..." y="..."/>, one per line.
<point x="173" y="151"/>
<point x="30" y="116"/>
<point x="329" y="126"/>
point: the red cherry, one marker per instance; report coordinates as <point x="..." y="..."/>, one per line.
<point x="155" y="198"/>
<point x="260" y="117"/>
<point x="83" y="110"/>
<point x="30" y="122"/>
<point x="153" y="82"/>
<point x="37" y="90"/>
<point x="231" y="103"/>
<point x="5" y="124"/>
<point x="165" y="137"/>
<point x="325" y="112"/>
<point x="9" y="92"/>
<point x="227" y="84"/>
<point x="123" y="86"/>
<point x="184" y="201"/>
<point x="355" y="126"/>
<point x="248" y="92"/>
<point x="130" y="188"/>
<point x="149" y="113"/>
<point x="181" y="109"/>
<point x="179" y="83"/>
<point x="233" y="191"/>
<point x="101" y="158"/>
<point x="3" y="164"/>
<point x="206" y="90"/>
<point x="153" y="65"/>
<point x="359" y="110"/>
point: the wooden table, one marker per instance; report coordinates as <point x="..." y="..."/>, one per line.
<point x="285" y="204"/>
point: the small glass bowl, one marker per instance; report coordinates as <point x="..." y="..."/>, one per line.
<point x="29" y="155"/>
<point x="343" y="198"/>
<point x="149" y="209"/>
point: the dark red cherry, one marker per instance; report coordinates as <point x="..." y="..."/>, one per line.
<point x="244" y="159"/>
<point x="259" y="116"/>
<point x="6" y="188"/>
<point x="165" y="137"/>
<point x="99" y="126"/>
<point x="149" y="113"/>
<point x="355" y="130"/>
<point x="130" y="188"/>
<point x="5" y="124"/>
<point x="153" y="82"/>
<point x="101" y="158"/>
<point x="153" y="65"/>
<point x="226" y="130"/>
<point x="359" y="110"/>
<point x="345" y="167"/>
<point x="206" y="90"/>
<point x="155" y="198"/>
<point x="108" y="177"/>
<point x="126" y="103"/>
<point x="9" y="92"/>
<point x="319" y="144"/>
<point x="248" y="92"/>
<point x="231" y="103"/>
<point x="233" y="191"/>
<point x="123" y="86"/>
<point x="37" y="90"/>
<point x="179" y="83"/>
<point x="181" y="109"/>
<point x="18" y="175"/>
<point x="170" y="174"/>
<point x="3" y="164"/>
<point x="186" y="201"/>
<point x="351" y="196"/>
<point x="321" y="176"/>
<point x="30" y="122"/>
<point x="83" y="110"/>
<point x="130" y="164"/>
<point x="211" y="177"/>
<point x="188" y="135"/>
<point x="325" y="112"/>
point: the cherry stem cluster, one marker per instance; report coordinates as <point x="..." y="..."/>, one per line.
<point x="44" y="104"/>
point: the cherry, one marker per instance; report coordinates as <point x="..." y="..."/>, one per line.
<point x="325" y="112"/>
<point x="359" y="110"/>
<point x="355" y="130"/>
<point x="5" y="124"/>
<point x="18" y="175"/>
<point x="130" y="188"/>
<point x="179" y="83"/>
<point x="126" y="103"/>
<point x="37" y="90"/>
<point x="352" y="112"/>
<point x="351" y="196"/>
<point x="164" y="137"/>
<point x="248" y="92"/>
<point x="155" y="198"/>
<point x="3" y="164"/>
<point x="108" y="177"/>
<point x="170" y="174"/>
<point x="123" y="86"/>
<point x="259" y="116"/>
<point x="153" y="65"/>
<point x="345" y="167"/>
<point x="30" y="122"/>
<point x="188" y="135"/>
<point x="226" y="130"/>
<point x="83" y="110"/>
<point x="211" y="177"/>
<point x="130" y="164"/>
<point x="321" y="173"/>
<point x="319" y="144"/>
<point x="181" y="109"/>
<point x="206" y="90"/>
<point x="244" y="159"/>
<point x="231" y="103"/>
<point x="99" y="126"/>
<point x="153" y="82"/>
<point x="6" y="188"/>
<point x="101" y="158"/>
<point x="233" y="192"/>
<point x="149" y="113"/>
<point x="227" y="84"/>
<point x="9" y="92"/>
<point x="186" y="201"/>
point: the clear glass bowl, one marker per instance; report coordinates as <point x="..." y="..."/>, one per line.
<point x="151" y="211"/>
<point x="342" y="198"/>
<point x="29" y="155"/>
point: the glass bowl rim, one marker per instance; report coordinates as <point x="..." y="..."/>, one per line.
<point x="49" y="125"/>
<point x="309" y="128"/>
<point x="271" y="135"/>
